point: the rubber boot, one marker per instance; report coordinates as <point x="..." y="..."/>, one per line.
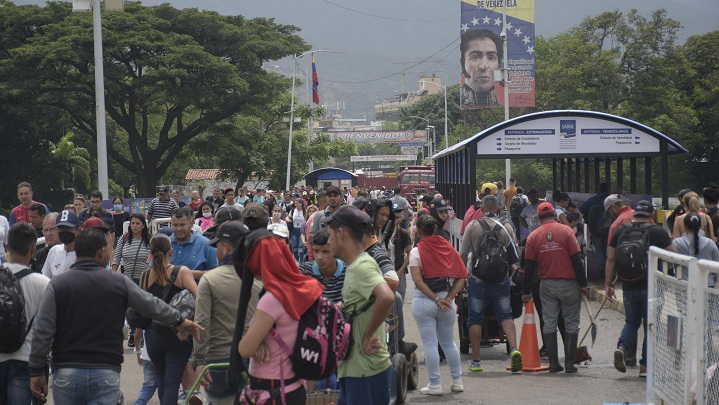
<point x="550" y="340"/>
<point x="570" y="352"/>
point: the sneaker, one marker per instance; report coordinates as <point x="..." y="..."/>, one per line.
<point x="130" y="339"/>
<point x="432" y="390"/>
<point x="543" y="353"/>
<point x="182" y="398"/>
<point x="619" y="360"/>
<point x="642" y="371"/>
<point x="196" y="399"/>
<point x="476" y="366"/>
<point x="457" y="385"/>
<point x="515" y="361"/>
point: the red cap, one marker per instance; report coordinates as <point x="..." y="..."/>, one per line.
<point x="545" y="208"/>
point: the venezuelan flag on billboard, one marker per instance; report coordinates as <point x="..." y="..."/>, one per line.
<point x="482" y="53"/>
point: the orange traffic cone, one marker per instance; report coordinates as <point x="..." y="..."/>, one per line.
<point x="528" y="345"/>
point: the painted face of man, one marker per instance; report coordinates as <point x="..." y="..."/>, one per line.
<point x="480" y="61"/>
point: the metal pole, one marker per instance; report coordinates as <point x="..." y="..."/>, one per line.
<point x="309" y="122"/>
<point x="505" y="75"/>
<point x="292" y="119"/>
<point x="102" y="181"/>
<point x="446" y="138"/>
<point x="292" y="110"/>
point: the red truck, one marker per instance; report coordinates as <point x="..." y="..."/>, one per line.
<point x="416" y="181"/>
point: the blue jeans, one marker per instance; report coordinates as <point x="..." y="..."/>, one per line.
<point x="225" y="384"/>
<point x="81" y="386"/>
<point x="296" y="240"/>
<point x="322" y="384"/>
<point x="480" y="293"/>
<point x="635" y="308"/>
<point x="149" y="385"/>
<point x="15" y="383"/>
<point x="435" y="326"/>
<point x="170" y="366"/>
<point x="372" y="390"/>
<point x="600" y="250"/>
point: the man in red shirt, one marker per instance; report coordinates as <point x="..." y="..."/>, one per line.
<point x="617" y="209"/>
<point x="552" y="249"/>
<point x="21" y="213"/>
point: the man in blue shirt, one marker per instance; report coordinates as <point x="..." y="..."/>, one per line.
<point x="188" y="249"/>
<point x="195" y="252"/>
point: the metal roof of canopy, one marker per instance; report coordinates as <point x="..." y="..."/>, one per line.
<point x="571" y="137"/>
<point x="550" y="121"/>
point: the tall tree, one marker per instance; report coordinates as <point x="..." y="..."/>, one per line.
<point x="77" y="160"/>
<point x="184" y="70"/>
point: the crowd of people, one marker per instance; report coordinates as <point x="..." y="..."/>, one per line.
<point x="226" y="283"/>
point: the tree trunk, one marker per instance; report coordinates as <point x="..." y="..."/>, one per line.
<point x="147" y="183"/>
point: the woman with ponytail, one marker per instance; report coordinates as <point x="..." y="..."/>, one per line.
<point x="169" y="365"/>
<point x="693" y="243"/>
<point x="288" y="294"/>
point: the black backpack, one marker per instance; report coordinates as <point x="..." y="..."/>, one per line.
<point x="324" y="332"/>
<point x="13" y="325"/>
<point x="490" y="257"/>
<point x="323" y="341"/>
<point x="595" y="218"/>
<point x="516" y="206"/>
<point x="631" y="251"/>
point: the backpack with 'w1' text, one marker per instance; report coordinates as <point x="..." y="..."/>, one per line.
<point x="631" y="251"/>
<point x="323" y="341"/>
<point x="490" y="257"/>
<point x="13" y="325"/>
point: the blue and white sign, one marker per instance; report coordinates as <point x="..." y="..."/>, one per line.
<point x="567" y="135"/>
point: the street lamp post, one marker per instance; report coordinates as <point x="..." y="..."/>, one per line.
<point x="444" y="88"/>
<point x="431" y="142"/>
<point x="292" y="110"/>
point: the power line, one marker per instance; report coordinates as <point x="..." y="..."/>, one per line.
<point x="388" y="18"/>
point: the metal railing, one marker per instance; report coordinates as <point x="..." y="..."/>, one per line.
<point x="683" y="330"/>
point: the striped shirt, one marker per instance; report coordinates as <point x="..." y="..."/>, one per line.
<point x="162" y="209"/>
<point x="333" y="286"/>
<point x="134" y="254"/>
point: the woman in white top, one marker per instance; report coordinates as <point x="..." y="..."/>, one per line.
<point x="297" y="217"/>
<point x="561" y="212"/>
<point x="277" y="217"/>
<point x="693" y="243"/>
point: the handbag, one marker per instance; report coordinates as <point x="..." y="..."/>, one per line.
<point x="437" y="284"/>
<point x="182" y="301"/>
<point x="135" y="319"/>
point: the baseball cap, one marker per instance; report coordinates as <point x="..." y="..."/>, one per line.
<point x="163" y="190"/>
<point x="611" y="200"/>
<point x="545" y="208"/>
<point x="230" y="231"/>
<point x="352" y="217"/>
<point x="94" y="222"/>
<point x="333" y="189"/>
<point x="532" y="191"/>
<point x="225" y="214"/>
<point x="440" y="204"/>
<point x="397" y="208"/>
<point x="644" y="209"/>
<point x="492" y="188"/>
<point x="67" y="219"/>
<point x="257" y="211"/>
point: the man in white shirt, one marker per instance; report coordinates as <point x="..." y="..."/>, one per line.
<point x="230" y="201"/>
<point x="14" y="371"/>
<point x="62" y="256"/>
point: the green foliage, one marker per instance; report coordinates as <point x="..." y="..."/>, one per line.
<point x="170" y="74"/>
<point x="76" y="159"/>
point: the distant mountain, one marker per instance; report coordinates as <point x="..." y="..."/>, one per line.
<point x="382" y="37"/>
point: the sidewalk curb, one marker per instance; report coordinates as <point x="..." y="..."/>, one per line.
<point x="597" y="294"/>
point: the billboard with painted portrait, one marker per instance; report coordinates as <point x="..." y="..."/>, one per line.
<point x="482" y="53"/>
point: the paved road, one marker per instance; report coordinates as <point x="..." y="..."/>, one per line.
<point x="596" y="383"/>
